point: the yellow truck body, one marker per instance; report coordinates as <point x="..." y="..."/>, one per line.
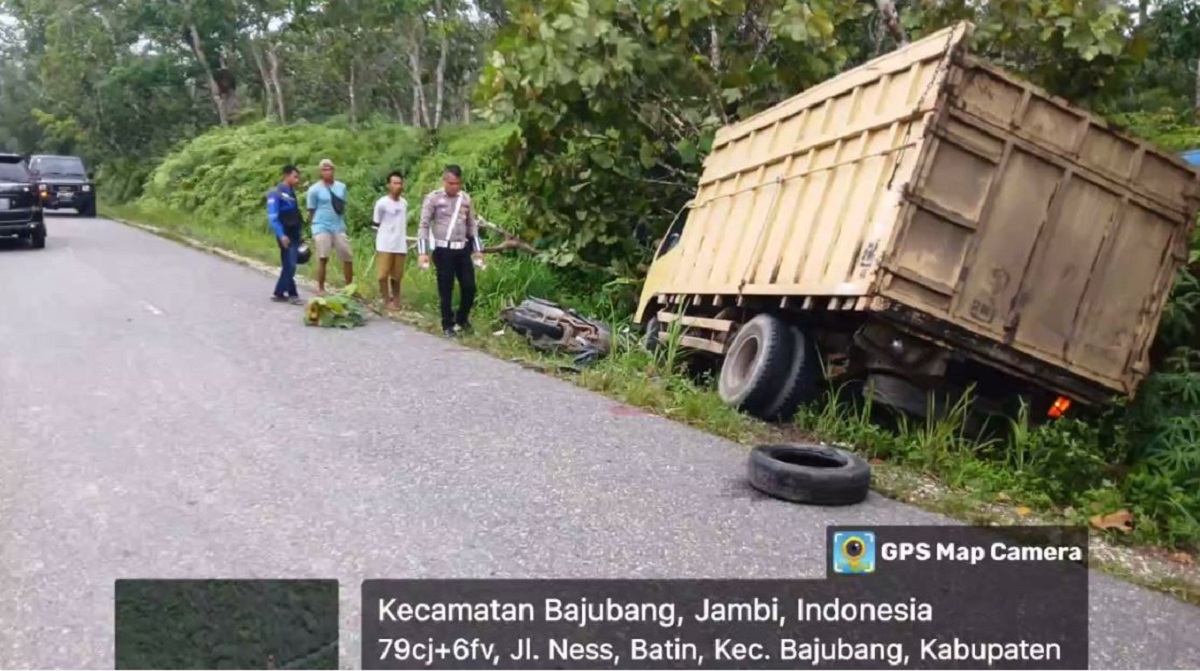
<point x="932" y="189"/>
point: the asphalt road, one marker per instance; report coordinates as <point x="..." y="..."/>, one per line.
<point x="162" y="419"/>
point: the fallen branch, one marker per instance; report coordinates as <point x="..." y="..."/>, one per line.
<point x="510" y="244"/>
<point x="511" y="241"/>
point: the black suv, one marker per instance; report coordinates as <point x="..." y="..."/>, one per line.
<point x="20" y="207"/>
<point x="63" y="182"/>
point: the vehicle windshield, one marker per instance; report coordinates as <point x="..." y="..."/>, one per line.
<point x="59" y="165"/>
<point x="13" y="172"/>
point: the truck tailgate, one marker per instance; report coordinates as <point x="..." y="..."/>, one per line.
<point x="1032" y="224"/>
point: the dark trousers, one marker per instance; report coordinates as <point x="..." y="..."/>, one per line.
<point x="288" y="258"/>
<point x="452" y="264"/>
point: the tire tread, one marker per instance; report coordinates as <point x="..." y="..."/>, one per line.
<point x="761" y="390"/>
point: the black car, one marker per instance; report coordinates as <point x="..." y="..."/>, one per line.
<point x="20" y="206"/>
<point x="64" y="182"/>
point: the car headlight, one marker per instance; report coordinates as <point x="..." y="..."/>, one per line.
<point x="87" y="187"/>
<point x="42" y="187"/>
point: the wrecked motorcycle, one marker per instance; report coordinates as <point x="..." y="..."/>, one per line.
<point x="553" y="328"/>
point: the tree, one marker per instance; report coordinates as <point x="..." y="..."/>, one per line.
<point x="1083" y="50"/>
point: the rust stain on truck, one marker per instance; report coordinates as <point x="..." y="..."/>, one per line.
<point x="957" y="204"/>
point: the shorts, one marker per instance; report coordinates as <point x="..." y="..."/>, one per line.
<point x="326" y="242"/>
<point x="390" y="265"/>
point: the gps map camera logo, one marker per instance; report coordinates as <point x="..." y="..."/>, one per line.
<point x="853" y="552"/>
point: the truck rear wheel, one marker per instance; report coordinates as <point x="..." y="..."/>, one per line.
<point x="757" y="365"/>
<point x="802" y="382"/>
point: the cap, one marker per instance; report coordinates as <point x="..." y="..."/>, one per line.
<point x="326" y="163"/>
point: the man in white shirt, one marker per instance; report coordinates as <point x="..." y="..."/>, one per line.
<point x="391" y="240"/>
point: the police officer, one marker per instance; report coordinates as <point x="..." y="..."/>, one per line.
<point x="283" y="213"/>
<point x="449" y="233"/>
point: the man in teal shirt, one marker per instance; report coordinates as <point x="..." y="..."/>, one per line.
<point x="327" y="211"/>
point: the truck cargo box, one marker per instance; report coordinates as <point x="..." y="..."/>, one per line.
<point x="934" y="190"/>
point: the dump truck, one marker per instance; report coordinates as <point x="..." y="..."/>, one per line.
<point x="929" y="228"/>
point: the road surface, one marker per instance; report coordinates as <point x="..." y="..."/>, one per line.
<point x="161" y="418"/>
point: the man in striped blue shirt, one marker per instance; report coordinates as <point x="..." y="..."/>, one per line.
<point x="283" y="215"/>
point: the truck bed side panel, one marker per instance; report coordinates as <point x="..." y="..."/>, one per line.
<point x="799" y="200"/>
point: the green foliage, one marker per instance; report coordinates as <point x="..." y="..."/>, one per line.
<point x="617" y="102"/>
<point x="121" y="180"/>
<point x="1083" y="50"/>
<point x="1165" y="127"/>
<point x="339" y="310"/>
<point x="479" y="151"/>
<point x="1167" y="79"/>
<point x="226" y="173"/>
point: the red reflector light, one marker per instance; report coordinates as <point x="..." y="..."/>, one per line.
<point x="1059" y="407"/>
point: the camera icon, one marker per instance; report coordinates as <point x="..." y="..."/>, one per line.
<point x="853" y="552"/>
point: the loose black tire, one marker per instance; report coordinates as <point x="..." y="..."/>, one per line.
<point x="803" y="380"/>
<point x="38" y="241"/>
<point x="809" y="473"/>
<point x="756" y="365"/>
<point x="534" y="328"/>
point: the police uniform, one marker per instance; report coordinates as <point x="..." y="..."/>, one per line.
<point x="449" y="233"/>
<point x="283" y="213"/>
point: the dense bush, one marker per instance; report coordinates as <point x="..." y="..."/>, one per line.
<point x="121" y="180"/>
<point x="225" y="174"/>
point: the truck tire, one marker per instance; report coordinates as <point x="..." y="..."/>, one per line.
<point x="650" y="341"/>
<point x="803" y="379"/>
<point x="810" y="473"/>
<point x="38" y="240"/>
<point x="756" y="365"/>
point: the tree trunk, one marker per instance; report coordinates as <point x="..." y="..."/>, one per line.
<point x="1196" y="104"/>
<point x="714" y="48"/>
<point x="420" y="108"/>
<point x="227" y="80"/>
<point x="353" y="98"/>
<point x="273" y="59"/>
<point x="214" y="89"/>
<point x="268" y="98"/>
<point x="440" y="74"/>
<point x="416" y="104"/>
<point x="398" y="108"/>
<point x="891" y="21"/>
